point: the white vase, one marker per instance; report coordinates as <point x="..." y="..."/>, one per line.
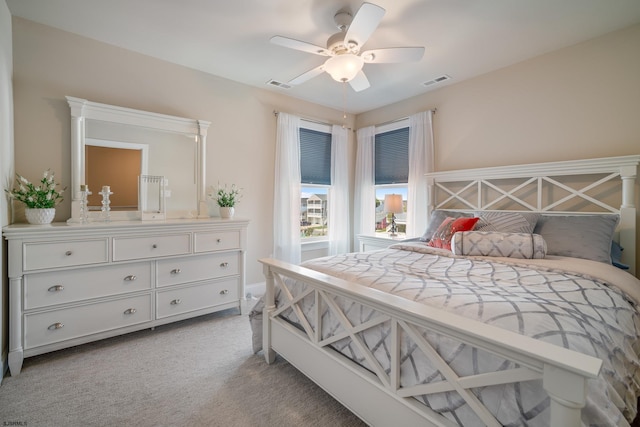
<point x="40" y="216"/>
<point x="226" y="212"/>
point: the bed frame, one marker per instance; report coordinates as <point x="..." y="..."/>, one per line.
<point x="576" y="187"/>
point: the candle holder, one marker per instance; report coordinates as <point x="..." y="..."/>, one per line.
<point x="84" y="208"/>
<point x="105" y="210"/>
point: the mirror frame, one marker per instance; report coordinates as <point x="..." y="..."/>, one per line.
<point x="81" y="110"/>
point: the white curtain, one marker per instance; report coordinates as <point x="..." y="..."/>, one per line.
<point x="420" y="162"/>
<point x="365" y="193"/>
<point x="339" y="241"/>
<point x="286" y="200"/>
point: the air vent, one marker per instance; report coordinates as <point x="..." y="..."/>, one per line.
<point x="437" y="80"/>
<point x="278" y="84"/>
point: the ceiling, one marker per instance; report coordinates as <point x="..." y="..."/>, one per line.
<point x="230" y="39"/>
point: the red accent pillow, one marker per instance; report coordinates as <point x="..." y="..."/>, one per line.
<point x="442" y="237"/>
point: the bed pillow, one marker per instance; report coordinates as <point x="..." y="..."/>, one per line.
<point x="493" y="243"/>
<point x="507" y="222"/>
<point x="442" y="237"/>
<point x="578" y="236"/>
<point x="436" y="219"/>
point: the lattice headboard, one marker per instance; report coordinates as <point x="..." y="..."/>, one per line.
<point x="603" y="186"/>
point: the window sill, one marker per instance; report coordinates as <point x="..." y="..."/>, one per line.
<point x="314" y="245"/>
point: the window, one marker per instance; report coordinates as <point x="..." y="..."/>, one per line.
<point x="315" y="171"/>
<point x="391" y="169"/>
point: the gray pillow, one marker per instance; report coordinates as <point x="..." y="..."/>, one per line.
<point x="578" y="236"/>
<point x="436" y="219"/>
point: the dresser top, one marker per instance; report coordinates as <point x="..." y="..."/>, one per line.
<point x="23" y="230"/>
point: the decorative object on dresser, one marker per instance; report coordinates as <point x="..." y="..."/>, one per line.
<point x="37" y="216"/>
<point x="226" y="198"/>
<point x="40" y="200"/>
<point x="72" y="284"/>
<point x="83" y="202"/>
<point x="106" y="203"/>
<point x="151" y="197"/>
<point x="227" y="211"/>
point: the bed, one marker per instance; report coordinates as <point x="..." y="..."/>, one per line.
<point x="526" y="317"/>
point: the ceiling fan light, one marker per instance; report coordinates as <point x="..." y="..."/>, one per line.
<point x="345" y="67"/>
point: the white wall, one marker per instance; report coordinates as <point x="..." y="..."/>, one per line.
<point x="49" y="64"/>
<point x="6" y="164"/>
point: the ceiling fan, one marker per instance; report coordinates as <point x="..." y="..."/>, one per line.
<point x="343" y="48"/>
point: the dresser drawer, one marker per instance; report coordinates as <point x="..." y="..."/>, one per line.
<point x="197" y="297"/>
<point x="61" y="287"/>
<point x="59" y="325"/>
<point x="217" y="241"/>
<point x="130" y="248"/>
<point x="201" y="267"/>
<point x="41" y="255"/>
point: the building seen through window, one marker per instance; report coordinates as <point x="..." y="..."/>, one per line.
<point x="313" y="212"/>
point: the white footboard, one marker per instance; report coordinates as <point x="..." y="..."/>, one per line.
<point x="376" y="396"/>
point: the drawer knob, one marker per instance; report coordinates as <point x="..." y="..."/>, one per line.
<point x="224" y="292"/>
<point x="56" y="288"/>
<point x="219" y="240"/>
<point x="176" y="271"/>
<point x="154" y="246"/>
<point x="55" y="326"/>
<point x="131" y="278"/>
<point x="68" y="253"/>
<point x="224" y="264"/>
<point x="130" y="311"/>
<point x="176" y="301"/>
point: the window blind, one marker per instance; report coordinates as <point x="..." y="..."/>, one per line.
<point x="315" y="157"/>
<point x="392" y="157"/>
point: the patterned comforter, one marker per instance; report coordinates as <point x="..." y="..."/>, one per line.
<point x="582" y="305"/>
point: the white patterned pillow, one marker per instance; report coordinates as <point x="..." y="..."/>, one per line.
<point x="491" y="243"/>
<point x="507" y="222"/>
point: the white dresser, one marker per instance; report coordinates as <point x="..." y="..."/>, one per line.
<point x="71" y="284"/>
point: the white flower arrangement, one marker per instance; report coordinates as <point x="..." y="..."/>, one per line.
<point x="42" y="196"/>
<point x="224" y="196"/>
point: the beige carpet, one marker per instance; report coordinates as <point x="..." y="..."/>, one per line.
<point x="199" y="372"/>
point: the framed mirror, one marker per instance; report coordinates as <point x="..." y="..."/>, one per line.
<point x="112" y="146"/>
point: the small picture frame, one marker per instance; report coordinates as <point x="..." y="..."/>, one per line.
<point x="151" y="197"/>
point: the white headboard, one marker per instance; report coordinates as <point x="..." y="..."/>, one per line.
<point x="603" y="186"/>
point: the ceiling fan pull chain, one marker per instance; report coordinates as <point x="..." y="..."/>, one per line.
<point x="344" y="101"/>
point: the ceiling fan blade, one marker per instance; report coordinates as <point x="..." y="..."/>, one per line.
<point x="394" y="54"/>
<point x="364" y="23"/>
<point x="359" y="82"/>
<point x="299" y="45"/>
<point x="307" y="76"/>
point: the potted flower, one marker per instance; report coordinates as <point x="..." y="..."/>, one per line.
<point x="40" y="200"/>
<point x="226" y="198"/>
